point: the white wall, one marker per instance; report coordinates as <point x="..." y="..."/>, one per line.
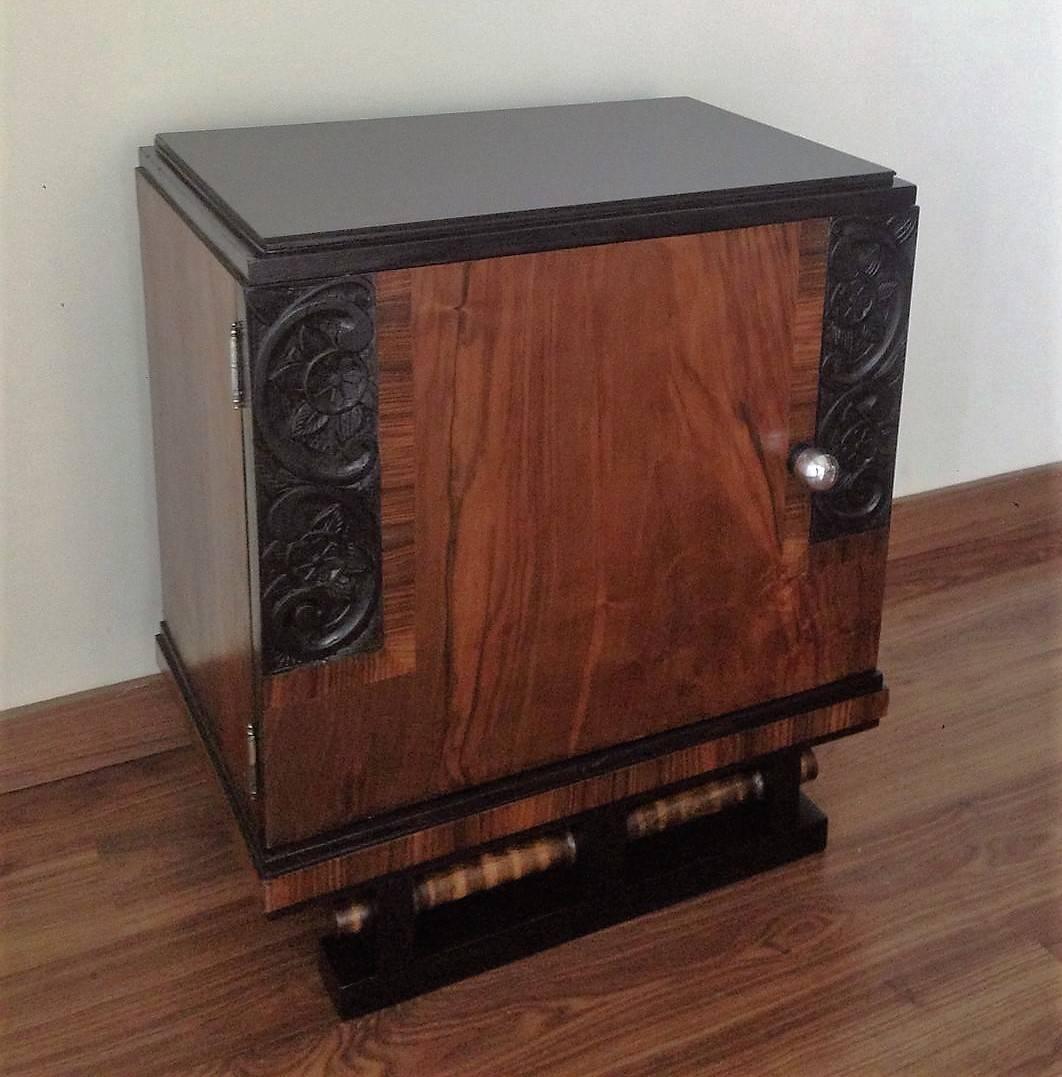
<point x="963" y="96"/>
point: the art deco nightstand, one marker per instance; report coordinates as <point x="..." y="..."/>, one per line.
<point x="524" y="483"/>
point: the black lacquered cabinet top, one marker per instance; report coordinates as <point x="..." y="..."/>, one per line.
<point x="323" y="179"/>
<point x="310" y="200"/>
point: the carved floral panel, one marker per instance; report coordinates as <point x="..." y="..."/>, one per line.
<point x="864" y="340"/>
<point x="314" y="386"/>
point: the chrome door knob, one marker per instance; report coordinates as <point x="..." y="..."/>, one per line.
<point x="818" y="470"/>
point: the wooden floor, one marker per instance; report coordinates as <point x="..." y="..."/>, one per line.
<point x="927" y="939"/>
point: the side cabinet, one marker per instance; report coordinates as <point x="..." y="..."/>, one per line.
<point x="496" y="542"/>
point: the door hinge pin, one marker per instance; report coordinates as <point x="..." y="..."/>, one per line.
<point x="236" y="364"/>
<point x="252" y="760"/>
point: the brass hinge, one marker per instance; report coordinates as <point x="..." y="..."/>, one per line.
<point x="252" y="760"/>
<point x="236" y="364"/>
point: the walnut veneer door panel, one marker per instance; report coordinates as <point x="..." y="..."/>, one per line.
<point x="607" y="543"/>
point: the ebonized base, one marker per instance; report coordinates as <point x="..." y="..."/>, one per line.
<point x="404" y="954"/>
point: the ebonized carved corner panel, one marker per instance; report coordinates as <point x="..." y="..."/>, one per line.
<point x="314" y="387"/>
<point x="864" y="339"/>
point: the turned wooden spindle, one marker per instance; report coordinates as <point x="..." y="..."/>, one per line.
<point x="663" y="814"/>
<point x="353" y="917"/>
<point x="717" y="796"/>
<point x="493" y="869"/>
<point x="809" y="766"/>
<point x="484" y="872"/>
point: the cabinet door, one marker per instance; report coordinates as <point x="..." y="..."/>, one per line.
<point x="588" y="530"/>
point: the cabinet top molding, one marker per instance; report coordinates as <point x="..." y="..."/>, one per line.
<point x="422" y="189"/>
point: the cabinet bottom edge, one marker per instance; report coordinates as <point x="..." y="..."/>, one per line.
<point x="432" y="832"/>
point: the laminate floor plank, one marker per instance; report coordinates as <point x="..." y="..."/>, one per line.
<point x="846" y="945"/>
<point x="926" y="940"/>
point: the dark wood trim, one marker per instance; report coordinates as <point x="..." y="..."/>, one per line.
<point x="231" y="251"/>
<point x="316" y="470"/>
<point x="488" y="222"/>
<point x="280" y="187"/>
<point x="486" y="237"/>
<point x="58" y="738"/>
<point x="869" y="270"/>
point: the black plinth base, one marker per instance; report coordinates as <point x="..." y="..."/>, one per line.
<point x="406" y="954"/>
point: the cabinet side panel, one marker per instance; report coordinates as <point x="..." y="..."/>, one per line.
<point x="191" y="302"/>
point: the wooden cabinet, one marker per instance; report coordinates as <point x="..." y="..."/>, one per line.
<point x="474" y="445"/>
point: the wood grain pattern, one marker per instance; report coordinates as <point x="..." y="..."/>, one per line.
<point x="191" y="302"/>
<point x="937" y="539"/>
<point x="940" y="538"/>
<point x="601" y="445"/>
<point x="804" y="384"/>
<point x="444" y="839"/>
<point x="601" y="411"/>
<point x="926" y="940"/>
<point x="57" y="738"/>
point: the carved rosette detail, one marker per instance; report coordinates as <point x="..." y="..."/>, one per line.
<point x="314" y="385"/>
<point x="870" y="264"/>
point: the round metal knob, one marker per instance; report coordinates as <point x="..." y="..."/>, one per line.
<point x="818" y="470"/>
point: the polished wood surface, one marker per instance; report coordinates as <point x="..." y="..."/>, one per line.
<point x="583" y="422"/>
<point x="601" y="412"/>
<point x="804" y="384"/>
<point x="491" y="824"/>
<point x="191" y="302"/>
<point x="57" y="738"/>
<point x="926" y="940"/>
<point x="298" y="185"/>
<point x="937" y="540"/>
